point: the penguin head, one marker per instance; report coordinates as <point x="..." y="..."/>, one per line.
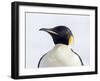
<point x="60" y="34"/>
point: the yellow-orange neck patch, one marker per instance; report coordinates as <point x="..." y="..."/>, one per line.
<point x="70" y="40"/>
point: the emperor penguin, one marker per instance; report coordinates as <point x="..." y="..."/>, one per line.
<point x="62" y="53"/>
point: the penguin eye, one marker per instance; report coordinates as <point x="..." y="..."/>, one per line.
<point x="60" y="31"/>
<point x="57" y="30"/>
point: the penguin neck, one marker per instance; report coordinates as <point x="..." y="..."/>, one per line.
<point x="62" y="47"/>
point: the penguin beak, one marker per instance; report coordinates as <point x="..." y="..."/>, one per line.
<point x="48" y="30"/>
<point x="44" y="29"/>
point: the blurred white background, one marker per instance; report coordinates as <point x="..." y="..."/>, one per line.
<point x="39" y="42"/>
<point x="5" y="40"/>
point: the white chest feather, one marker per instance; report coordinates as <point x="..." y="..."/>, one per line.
<point x="60" y="55"/>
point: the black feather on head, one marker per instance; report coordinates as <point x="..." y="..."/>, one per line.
<point x="60" y="34"/>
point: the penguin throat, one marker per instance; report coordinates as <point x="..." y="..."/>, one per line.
<point x="58" y="39"/>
